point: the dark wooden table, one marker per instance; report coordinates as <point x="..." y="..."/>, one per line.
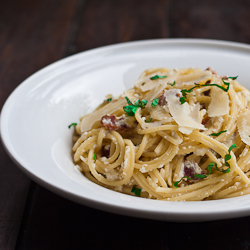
<point x="34" y="34"/>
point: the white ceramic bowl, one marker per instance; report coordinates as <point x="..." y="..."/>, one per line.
<point x="35" y="119"/>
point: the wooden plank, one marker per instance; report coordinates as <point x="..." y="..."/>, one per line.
<point x="33" y="34"/>
<point x="213" y="19"/>
<point x="57" y="223"/>
<point x="108" y="22"/>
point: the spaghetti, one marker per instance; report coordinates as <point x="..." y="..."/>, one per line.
<point x="178" y="135"/>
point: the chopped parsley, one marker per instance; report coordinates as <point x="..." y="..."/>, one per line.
<point x="177" y="182"/>
<point x="228" y="156"/>
<point x="217" y="134"/>
<point x="231" y="77"/>
<point x="128" y="101"/>
<point x="155" y="102"/>
<point x="72" y="124"/>
<point x="109" y="99"/>
<point x="184" y="92"/>
<point x="143" y="83"/>
<point x="131" y="108"/>
<point x="157" y="77"/>
<point x="149" y="120"/>
<point x="172" y="84"/>
<point x="136" y="191"/>
<point x="94" y="157"/>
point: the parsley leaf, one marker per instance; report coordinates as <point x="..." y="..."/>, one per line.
<point x="143" y="83"/>
<point x="185" y="92"/>
<point x="172" y="84"/>
<point x="72" y="124"/>
<point x="155" y="102"/>
<point x="136" y="191"/>
<point x="128" y="101"/>
<point x="177" y="182"/>
<point x="149" y="120"/>
<point x="94" y="157"/>
<point x="157" y="77"/>
<point x="232" y="147"/>
<point x="131" y="108"/>
<point x="109" y="99"/>
<point x="225" y="89"/>
<point x="214" y="134"/>
<point x="231" y="77"/>
<point x="182" y="100"/>
<point x="228" y="156"/>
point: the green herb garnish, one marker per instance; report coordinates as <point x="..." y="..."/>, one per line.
<point x="157" y="77"/>
<point x="72" y="124"/>
<point x="177" y="182"/>
<point x="143" y="83"/>
<point x="131" y="108"/>
<point x="94" y="157"/>
<point x="149" y="120"/>
<point x="185" y="91"/>
<point x="141" y="103"/>
<point x="228" y="156"/>
<point x="172" y="84"/>
<point x="136" y="191"/>
<point x="214" y="134"/>
<point x="128" y="101"/>
<point x="155" y="102"/>
<point x="231" y="77"/>
<point x="109" y="99"/>
<point x="225" y="89"/>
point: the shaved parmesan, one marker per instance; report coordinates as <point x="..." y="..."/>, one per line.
<point x="192" y="78"/>
<point x="159" y="113"/>
<point x="180" y="112"/>
<point x="243" y="125"/>
<point x="219" y="104"/>
<point x="195" y="112"/>
<point x="154" y="92"/>
<point x="146" y="84"/>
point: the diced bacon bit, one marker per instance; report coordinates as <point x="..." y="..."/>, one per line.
<point x="202" y="106"/>
<point x="162" y="100"/>
<point x="189" y="172"/>
<point x="205" y="120"/>
<point x="207" y="92"/>
<point x="106" y="151"/>
<point x="191" y="168"/>
<point x="111" y="122"/>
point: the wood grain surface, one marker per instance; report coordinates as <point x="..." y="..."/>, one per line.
<point x="34" y="34"/>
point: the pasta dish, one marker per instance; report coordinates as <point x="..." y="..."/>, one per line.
<point x="178" y="135"/>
